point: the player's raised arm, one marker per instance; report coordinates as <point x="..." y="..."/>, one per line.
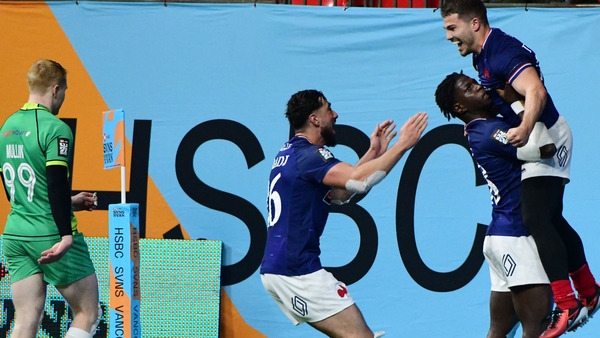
<point x="379" y="142"/>
<point x="359" y="179"/>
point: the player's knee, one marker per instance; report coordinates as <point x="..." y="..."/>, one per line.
<point x="41" y="318"/>
<point x="97" y="321"/>
<point x="26" y="328"/>
<point x="29" y="321"/>
<point x="89" y="317"/>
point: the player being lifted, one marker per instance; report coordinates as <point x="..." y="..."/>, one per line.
<point x="500" y="58"/>
<point x="523" y="294"/>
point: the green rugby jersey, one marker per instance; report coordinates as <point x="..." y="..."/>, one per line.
<point x="31" y="139"/>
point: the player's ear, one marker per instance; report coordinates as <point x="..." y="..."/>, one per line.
<point x="475" y="24"/>
<point x="55" y="89"/>
<point x="459" y="109"/>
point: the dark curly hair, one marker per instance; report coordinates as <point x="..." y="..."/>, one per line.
<point x="445" y="94"/>
<point x="301" y="105"/>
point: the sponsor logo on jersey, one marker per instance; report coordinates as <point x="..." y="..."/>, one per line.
<point x="14" y="133"/>
<point x="326" y="155"/>
<point x="63" y="147"/>
<point x="500" y="136"/>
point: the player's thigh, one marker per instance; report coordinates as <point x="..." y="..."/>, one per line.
<point x="503" y="316"/>
<point x="533" y="305"/>
<point x="348" y="323"/>
<point x="76" y="264"/>
<point x="82" y="295"/>
<point x="29" y="297"/>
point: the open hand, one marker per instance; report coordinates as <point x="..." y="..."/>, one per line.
<point x="381" y="137"/>
<point x="411" y="130"/>
<point x="57" y="251"/>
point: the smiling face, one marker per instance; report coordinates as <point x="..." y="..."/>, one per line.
<point x="461" y="33"/>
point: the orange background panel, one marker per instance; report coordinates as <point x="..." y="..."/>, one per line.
<point x="28" y="32"/>
<point x="31" y="32"/>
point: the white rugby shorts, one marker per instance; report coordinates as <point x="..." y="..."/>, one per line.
<point x="560" y="164"/>
<point x="308" y="298"/>
<point x="513" y="261"/>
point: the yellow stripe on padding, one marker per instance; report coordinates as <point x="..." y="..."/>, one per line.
<point x="58" y="162"/>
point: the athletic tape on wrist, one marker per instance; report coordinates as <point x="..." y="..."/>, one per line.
<point x="517" y="107"/>
<point x="359" y="187"/>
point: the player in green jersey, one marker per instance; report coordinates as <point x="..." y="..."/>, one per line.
<point x="41" y="242"/>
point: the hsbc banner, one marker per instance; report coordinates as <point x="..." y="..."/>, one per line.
<point x="205" y="87"/>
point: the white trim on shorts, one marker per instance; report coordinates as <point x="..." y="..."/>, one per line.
<point x="513" y="261"/>
<point x="560" y="164"/>
<point x="308" y="298"/>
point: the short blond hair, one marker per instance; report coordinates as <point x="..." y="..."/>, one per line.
<point x="44" y="74"/>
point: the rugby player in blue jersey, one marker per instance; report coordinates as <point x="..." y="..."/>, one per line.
<point x="500" y="58"/>
<point x="305" y="179"/>
<point x="520" y="287"/>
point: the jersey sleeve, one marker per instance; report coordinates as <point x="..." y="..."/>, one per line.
<point x="496" y="143"/>
<point x="59" y="144"/>
<point x="315" y="162"/>
<point x="510" y="60"/>
<point x="490" y="138"/>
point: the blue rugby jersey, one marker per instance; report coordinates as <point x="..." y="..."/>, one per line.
<point x="497" y="160"/>
<point x="501" y="60"/>
<point x="298" y="206"/>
